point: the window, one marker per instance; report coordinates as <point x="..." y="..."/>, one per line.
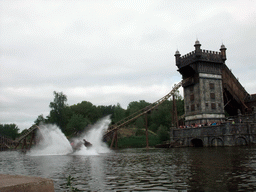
<point x="193" y="107"/>
<point x="206" y="104"/>
<point x="191" y="88"/>
<point x="187" y="107"/>
<point x="198" y="106"/>
<point x="212" y="95"/>
<point x="192" y="97"/>
<point x="213" y="106"/>
<point x="212" y="86"/>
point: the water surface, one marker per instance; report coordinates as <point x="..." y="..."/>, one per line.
<point x="180" y="169"/>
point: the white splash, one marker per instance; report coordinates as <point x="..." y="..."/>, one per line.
<point x="51" y="142"/>
<point x="94" y="136"/>
<point x="54" y="142"/>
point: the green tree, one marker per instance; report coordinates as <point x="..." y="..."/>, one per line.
<point x="87" y="110"/>
<point x="163" y="133"/>
<point x="57" y="113"/>
<point x="180" y="106"/>
<point x="76" y="124"/>
<point x="162" y="115"/>
<point x="153" y="127"/>
<point x="179" y="103"/>
<point x="140" y="122"/>
<point x="106" y="110"/>
<point x="40" y="119"/>
<point x="136" y="106"/>
<point x="119" y="113"/>
<point x="9" y="130"/>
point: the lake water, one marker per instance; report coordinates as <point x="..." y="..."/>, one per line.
<point x="176" y="169"/>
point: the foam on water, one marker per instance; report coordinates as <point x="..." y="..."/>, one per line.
<point x="94" y="136"/>
<point x="54" y="142"/>
<point x="51" y="142"/>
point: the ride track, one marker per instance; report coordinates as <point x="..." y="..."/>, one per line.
<point x="26" y="133"/>
<point x="143" y="111"/>
<point x="13" y="144"/>
<point x="111" y="129"/>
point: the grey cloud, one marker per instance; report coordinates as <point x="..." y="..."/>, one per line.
<point x="106" y="52"/>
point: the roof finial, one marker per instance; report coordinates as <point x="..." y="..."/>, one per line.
<point x="197" y="42"/>
<point x="222" y="46"/>
<point x="223" y="52"/>
<point x="198" y="50"/>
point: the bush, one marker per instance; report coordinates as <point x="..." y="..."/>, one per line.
<point x="140" y="132"/>
<point x="163" y="133"/>
<point x="153" y="127"/>
<point x="137" y="141"/>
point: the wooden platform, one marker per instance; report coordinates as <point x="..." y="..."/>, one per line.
<point x="18" y="183"/>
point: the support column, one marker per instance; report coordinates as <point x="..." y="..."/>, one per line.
<point x="116" y="139"/>
<point x="171" y="134"/>
<point x="146" y="126"/>
<point x="24" y="143"/>
<point x="17" y="145"/>
<point x="32" y="139"/>
<point x="113" y="140"/>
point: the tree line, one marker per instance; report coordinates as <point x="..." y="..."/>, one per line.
<point x="75" y="119"/>
<point x="9" y="130"/>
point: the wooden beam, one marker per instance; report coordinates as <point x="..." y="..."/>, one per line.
<point x="146" y="126"/>
<point x="32" y="139"/>
<point x="116" y="140"/>
<point x="24" y="143"/>
<point x="113" y="139"/>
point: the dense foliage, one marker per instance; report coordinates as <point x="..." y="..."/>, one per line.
<point x="137" y="141"/>
<point x="9" y="130"/>
<point x="74" y="119"/>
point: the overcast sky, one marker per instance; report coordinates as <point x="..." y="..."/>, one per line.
<point x="110" y="52"/>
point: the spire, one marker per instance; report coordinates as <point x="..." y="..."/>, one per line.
<point x="197" y="42"/>
<point x="223" y="52"/>
<point x="222" y="46"/>
<point x="177" y="57"/>
<point x="197" y="48"/>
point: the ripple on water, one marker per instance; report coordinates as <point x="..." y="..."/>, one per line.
<point x="221" y="169"/>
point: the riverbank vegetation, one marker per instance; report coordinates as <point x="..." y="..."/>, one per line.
<point x="9" y="130"/>
<point x="77" y="118"/>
